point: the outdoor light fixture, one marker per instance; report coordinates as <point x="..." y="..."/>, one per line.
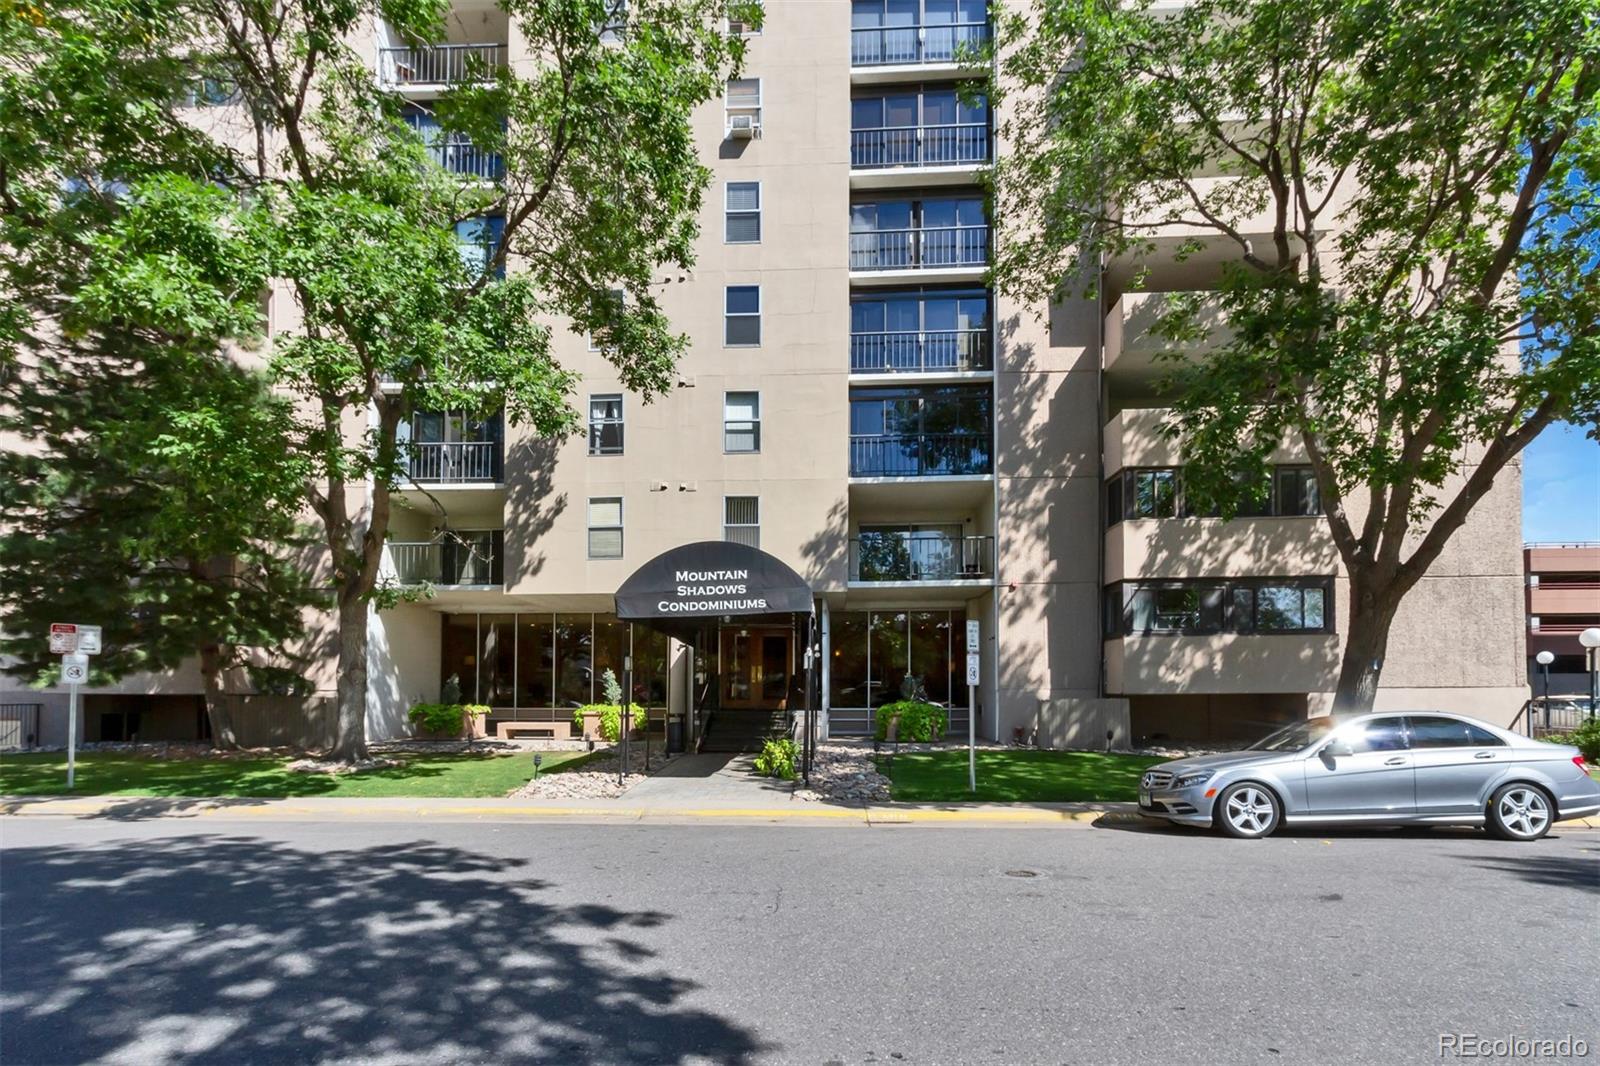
<point x="1544" y="659"/>
<point x="1590" y="639"/>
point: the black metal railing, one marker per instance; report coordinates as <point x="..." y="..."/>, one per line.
<point x="456" y="153"/>
<point x="920" y="455"/>
<point x="454" y="461"/>
<point x="919" y="351"/>
<point x="19" y="725"/>
<point x="465" y="558"/>
<point x="884" y="45"/>
<point x="920" y="557"/>
<point x="919" y="146"/>
<point x="920" y="248"/>
<point x="439" y="64"/>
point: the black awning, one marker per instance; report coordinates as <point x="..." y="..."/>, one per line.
<point x="682" y="589"/>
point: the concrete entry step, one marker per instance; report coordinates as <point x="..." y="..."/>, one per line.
<point x="710" y="780"/>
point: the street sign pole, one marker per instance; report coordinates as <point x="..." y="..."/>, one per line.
<point x="72" y="735"/>
<point x="74" y="643"/>
<point x="974" y="668"/>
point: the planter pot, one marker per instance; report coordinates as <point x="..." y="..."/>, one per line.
<point x="475" y="728"/>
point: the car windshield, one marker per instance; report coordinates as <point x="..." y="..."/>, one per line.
<point x="1295" y="736"/>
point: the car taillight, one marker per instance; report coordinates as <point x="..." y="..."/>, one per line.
<point x="1577" y="760"/>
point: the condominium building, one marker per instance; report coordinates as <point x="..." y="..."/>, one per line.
<point x="860" y="405"/>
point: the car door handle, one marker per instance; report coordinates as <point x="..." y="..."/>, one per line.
<point x="1398" y="760"/>
<point x="1484" y="755"/>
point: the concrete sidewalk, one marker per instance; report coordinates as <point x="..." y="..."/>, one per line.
<point x="772" y="807"/>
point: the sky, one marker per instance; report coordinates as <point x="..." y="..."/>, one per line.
<point x="1561" y="486"/>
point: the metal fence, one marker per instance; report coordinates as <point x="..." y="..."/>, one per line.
<point x="464" y="559"/>
<point x="919" y="146"/>
<point x="920" y="455"/>
<point x="455" y="461"/>
<point x="439" y="64"/>
<point x="893" y="556"/>
<point x="19" y="725"/>
<point x="920" y="248"/>
<point x="919" y="351"/>
<point x="884" y="45"/>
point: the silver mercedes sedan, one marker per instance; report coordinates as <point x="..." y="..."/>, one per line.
<point x="1410" y="768"/>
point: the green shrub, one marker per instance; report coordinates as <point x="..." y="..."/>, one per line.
<point x="777" y="758"/>
<point x="1586" y="738"/>
<point x="448" y="718"/>
<point x="610" y="719"/>
<point x="918" y="721"/>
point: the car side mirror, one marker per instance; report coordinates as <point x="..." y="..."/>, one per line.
<point x="1335" y="748"/>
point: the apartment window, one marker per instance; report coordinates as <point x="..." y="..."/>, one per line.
<point x="742" y="107"/>
<point x="605" y="425"/>
<point x="605" y="527"/>
<point x="1241" y="605"/>
<point x="741" y="325"/>
<point x="478" y="241"/>
<point x="741" y="422"/>
<point x="1297" y="492"/>
<point x="742" y="213"/>
<point x="741" y="520"/>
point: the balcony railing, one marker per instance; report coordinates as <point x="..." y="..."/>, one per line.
<point x="919" y="146"/>
<point x="912" y="351"/>
<point x="920" y="249"/>
<point x="438" y="64"/>
<point x="456" y="153"/>
<point x="467" y="559"/>
<point x="920" y="557"/>
<point x="883" y="45"/>
<point x="455" y="461"/>
<point x="920" y="455"/>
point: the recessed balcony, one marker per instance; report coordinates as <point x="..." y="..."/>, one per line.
<point x="920" y="558"/>
<point x="946" y="351"/>
<point x="1136" y="353"/>
<point x="914" y="455"/>
<point x="919" y="47"/>
<point x="468" y="462"/>
<point x="435" y="66"/>
<point x="460" y="558"/>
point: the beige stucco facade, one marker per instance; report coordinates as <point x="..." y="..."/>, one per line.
<point x="1071" y="395"/>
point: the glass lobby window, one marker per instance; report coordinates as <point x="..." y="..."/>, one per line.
<point x="535" y="660"/>
<point x="605" y="527"/>
<point x="605" y="425"/>
<point x="497" y="660"/>
<point x="929" y="640"/>
<point x="741" y="326"/>
<point x="574" y="659"/>
<point x="887" y="646"/>
<point x="742" y="213"/>
<point x="741" y="421"/>
<point x="741" y="520"/>
<point x="847" y="667"/>
<point x="459" y="654"/>
<point x="610" y="645"/>
<point x="652" y="652"/>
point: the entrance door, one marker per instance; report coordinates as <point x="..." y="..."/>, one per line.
<point x="755" y="668"/>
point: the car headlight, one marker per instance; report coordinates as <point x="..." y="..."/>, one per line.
<point x="1193" y="780"/>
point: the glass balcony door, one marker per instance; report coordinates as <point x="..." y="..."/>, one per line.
<point x="910" y="234"/>
<point x="928" y="127"/>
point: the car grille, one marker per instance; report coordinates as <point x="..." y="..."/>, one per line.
<point x="1154" y="779"/>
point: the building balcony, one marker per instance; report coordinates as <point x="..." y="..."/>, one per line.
<point x="457" y="154"/>
<point x="461" y="558"/>
<point x="924" y="155"/>
<point x="1136" y="353"/>
<point x="921" y="455"/>
<point x="920" y="558"/>
<point x="912" y="46"/>
<point x="476" y="462"/>
<point x="951" y="351"/>
<point x="1554" y="596"/>
<point x="951" y="251"/>
<point x="437" y="65"/>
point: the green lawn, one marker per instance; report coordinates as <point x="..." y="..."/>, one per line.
<point x="128" y="774"/>
<point x="1020" y="776"/>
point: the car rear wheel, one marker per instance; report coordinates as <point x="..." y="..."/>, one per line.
<point x="1248" y="811"/>
<point x="1520" y="812"/>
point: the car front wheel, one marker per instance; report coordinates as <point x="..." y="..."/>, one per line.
<point x="1520" y="812"/>
<point x="1248" y="811"/>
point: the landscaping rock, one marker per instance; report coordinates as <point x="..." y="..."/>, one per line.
<point x="324" y="766"/>
<point x="844" y="773"/>
<point x="595" y="779"/>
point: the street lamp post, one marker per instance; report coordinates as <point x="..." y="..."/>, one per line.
<point x="1544" y="659"/>
<point x="1590" y="639"/>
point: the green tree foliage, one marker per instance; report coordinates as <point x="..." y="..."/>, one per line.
<point x="308" y="183"/>
<point x="1420" y="300"/>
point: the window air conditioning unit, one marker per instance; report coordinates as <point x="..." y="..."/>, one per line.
<point x="743" y="127"/>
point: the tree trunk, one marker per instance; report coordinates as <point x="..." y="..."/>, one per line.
<point x="222" y="734"/>
<point x="1365" y="645"/>
<point x="350" y="739"/>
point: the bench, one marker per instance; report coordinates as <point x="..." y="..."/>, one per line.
<point x="534" y="730"/>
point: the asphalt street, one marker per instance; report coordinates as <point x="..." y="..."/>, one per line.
<point x="173" y="941"/>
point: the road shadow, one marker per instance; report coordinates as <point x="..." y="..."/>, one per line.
<point x="232" y="949"/>
<point x="1552" y="871"/>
